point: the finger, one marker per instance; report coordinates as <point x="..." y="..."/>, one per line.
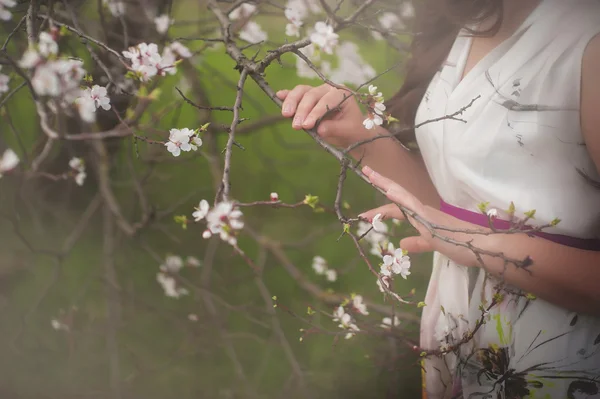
<point x="327" y="102"/>
<point x="282" y="94"/>
<point x="393" y="190"/>
<point x="389" y="211"/>
<point x="416" y="245"/>
<point x="307" y="104"/>
<point x="288" y="108"/>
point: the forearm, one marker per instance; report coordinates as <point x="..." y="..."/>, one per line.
<point x="391" y="159"/>
<point x="566" y="276"/>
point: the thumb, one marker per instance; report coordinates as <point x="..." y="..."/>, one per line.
<point x="416" y="244"/>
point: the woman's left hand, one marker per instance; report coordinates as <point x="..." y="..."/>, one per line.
<point x="426" y="242"/>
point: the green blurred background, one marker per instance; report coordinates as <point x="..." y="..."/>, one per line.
<point x="148" y="348"/>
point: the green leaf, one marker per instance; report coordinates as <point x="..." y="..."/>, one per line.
<point x="421" y="304"/>
<point x="311" y="200"/>
<point x="483" y="206"/>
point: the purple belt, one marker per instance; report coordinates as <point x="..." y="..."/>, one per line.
<point x="482" y="220"/>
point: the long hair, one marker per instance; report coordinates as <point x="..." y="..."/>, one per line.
<point x="437" y="24"/>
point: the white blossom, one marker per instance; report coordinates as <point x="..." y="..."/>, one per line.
<point x="351" y="67"/>
<point x="295" y="12"/>
<point x="292" y="30"/>
<point x="324" y="37"/>
<point x="243" y="11"/>
<point x="388" y="21"/>
<point x="86" y="108"/>
<point x="492" y="213"/>
<point x="78" y="165"/>
<point x="377" y="240"/>
<point x="346" y="322"/>
<point x="305" y="71"/>
<point x="195" y="143"/>
<point x="29" y="59"/>
<point x="45" y="81"/>
<point x="407" y="10"/>
<point x="146" y="60"/>
<point x="319" y="265"/>
<point x="6" y="15"/>
<point x="372" y="120"/>
<point x="253" y="33"/>
<point x="193" y="317"/>
<point x="385" y="285"/>
<point x="388" y="323"/>
<point x="4" y="79"/>
<point x="193" y="261"/>
<point x="201" y="211"/>
<point x="91" y="99"/>
<point x="8" y="161"/>
<point x="338" y="313"/>
<point x="59" y="325"/>
<point x="179" y="140"/>
<point x="331" y="275"/>
<point x="172" y="264"/>
<point x="169" y="285"/>
<point x="47" y="45"/>
<point x="162" y="23"/>
<point x="274" y="197"/>
<point x="378" y="224"/>
<point x="359" y="305"/>
<point x="116" y="7"/>
<point x="399" y="263"/>
<point x="224" y="219"/>
<point x="179" y="50"/>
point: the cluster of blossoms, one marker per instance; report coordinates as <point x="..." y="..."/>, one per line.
<point x="395" y="260"/>
<point x="165" y="277"/>
<point x="183" y="140"/>
<point x="225" y="219"/>
<point x="116" y="7"/>
<point x="60" y="78"/>
<point x="350" y="69"/>
<point x="4" y="79"/>
<point x="375" y="234"/>
<point x="78" y="167"/>
<point x="6" y="15"/>
<point x="250" y="31"/>
<point x="324" y="37"/>
<point x="296" y="12"/>
<point x="321" y="267"/>
<point x="376" y="109"/>
<point x="8" y="161"/>
<point x="390" y="20"/>
<point x="345" y="319"/>
<point x="147" y="62"/>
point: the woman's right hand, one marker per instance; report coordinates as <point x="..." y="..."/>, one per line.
<point x="307" y="104"/>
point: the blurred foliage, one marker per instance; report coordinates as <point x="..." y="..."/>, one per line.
<point x="161" y="353"/>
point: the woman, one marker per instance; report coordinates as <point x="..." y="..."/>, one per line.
<point x="530" y="70"/>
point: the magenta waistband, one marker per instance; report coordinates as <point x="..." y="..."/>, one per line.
<point x="482" y="220"/>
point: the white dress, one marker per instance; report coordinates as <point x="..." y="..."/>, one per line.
<point x="520" y="142"/>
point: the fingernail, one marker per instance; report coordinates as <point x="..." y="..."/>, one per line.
<point x="297" y="122"/>
<point x="287" y="109"/>
<point x="307" y="122"/>
<point x="367" y="171"/>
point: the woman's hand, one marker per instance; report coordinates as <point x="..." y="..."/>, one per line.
<point x="306" y="104"/>
<point x="425" y="242"/>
